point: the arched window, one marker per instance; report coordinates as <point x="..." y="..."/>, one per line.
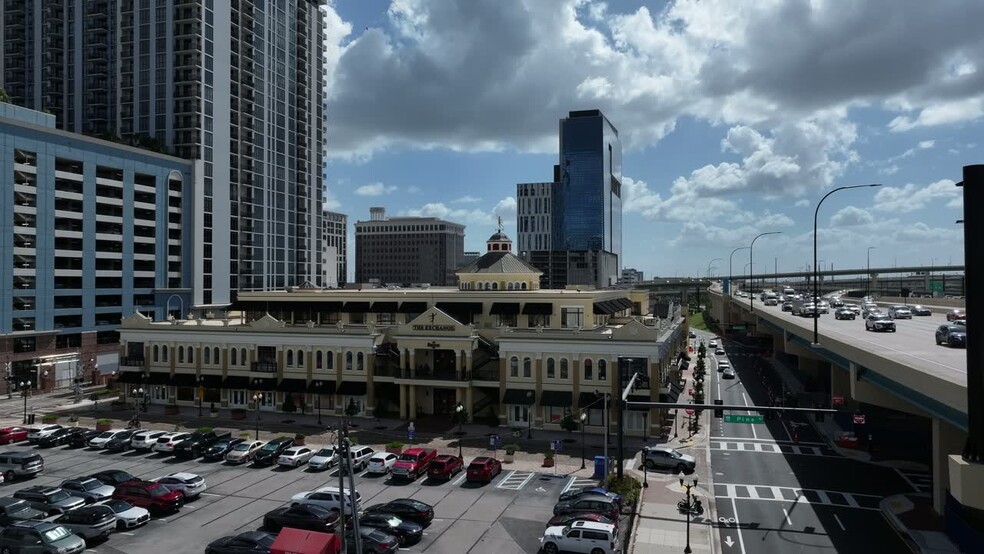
<point x="524" y="286"/>
<point x="509" y="286"/>
<point x="527" y="367"/>
<point x="300" y="358"/>
<point x="514" y="367"/>
<point x="348" y="361"/>
<point x="588" y="370"/>
<point x="164" y="353"/>
<point x="242" y="357"/>
<point x="157" y="353"/>
<point x="329" y="360"/>
<point x="207" y="356"/>
<point x="495" y="285"/>
<point x="290" y="357"/>
<point x="191" y="354"/>
<point x="232" y="356"/>
<point x="551" y="369"/>
<point x="602" y="370"/>
<point x="358" y="361"/>
<point x="563" y="368"/>
<point x="181" y="354"/>
<point x="319" y="359"/>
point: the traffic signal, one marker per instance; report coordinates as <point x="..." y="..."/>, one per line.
<point x="718" y="412"/>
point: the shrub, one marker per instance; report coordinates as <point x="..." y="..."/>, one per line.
<point x="511" y="449"/>
<point x="627" y="486"/>
<point x="104" y="421"/>
<point x="212" y="408"/>
<point x="204" y="429"/>
<point x="289" y="406"/>
<point x="352" y="409"/>
<point x="549" y="454"/>
<point x="298" y="437"/>
<point x="394" y="444"/>
<point x="49" y="418"/>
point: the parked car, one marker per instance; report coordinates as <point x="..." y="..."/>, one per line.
<point x="250" y="542"/>
<point x="113" y="477"/>
<point x="81" y="440"/>
<point x="586" y="537"/>
<point x="329" y="498"/>
<point x="51" y="500"/>
<point x="445" y="467"/>
<point x="483" y="468"/>
<point x="145" y="440"/>
<point x="723" y="365"/>
<point x="100" y="440"/>
<point x="577" y="492"/>
<point x="166" y="442"/>
<point x="13" y="434"/>
<point x="155" y="497"/>
<point x="712" y="344"/>
<point x="565" y="520"/>
<point x="128" y="516"/>
<point x="664" y="457"/>
<point x="89" y="522"/>
<point x="89" y="489"/>
<point x="728" y="373"/>
<point x="381" y="463"/>
<point x="295" y="456"/>
<point x="15" y="509"/>
<point x="920" y="310"/>
<point x="847" y="439"/>
<point x="301" y="516"/>
<point x="899" y="312"/>
<point x="61" y="437"/>
<point x="359" y="457"/>
<point x="879" y="322"/>
<point x="38" y="432"/>
<point x="219" y="450"/>
<point x="719" y="352"/>
<point x="407" y="532"/>
<point x="956" y="313"/>
<point x="39" y="537"/>
<point x="272" y="450"/>
<point x="20" y="463"/>
<point x="243" y="452"/>
<point x="190" y="484"/>
<point x="324" y="458"/>
<point x="952" y="335"/>
<point x="122" y="441"/>
<point x="405" y="508"/>
<point x="374" y="541"/>
<point x="844" y="313"/>
<point x="594" y="503"/>
<point x="198" y="442"/>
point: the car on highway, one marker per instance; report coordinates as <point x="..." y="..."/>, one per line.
<point x="250" y="542"/>
<point x="899" y="312"/>
<point x="823" y="307"/>
<point x="582" y="537"/>
<point x="719" y="352"/>
<point x="122" y="442"/>
<point x="844" y="313"/>
<point x="952" y="335"/>
<point x="10" y="435"/>
<point x="955" y="314"/>
<point x="301" y="516"/>
<point x="51" y="500"/>
<point x="295" y="456"/>
<point x="243" y="452"/>
<point x="60" y="437"/>
<point x="407" y="532"/>
<point x="39" y="537"/>
<point x="89" y="522"/>
<point x="787" y="306"/>
<point x="188" y="483"/>
<point x="145" y="440"/>
<point x="327" y="497"/>
<point x="868" y="309"/>
<point x="664" y="457"/>
<point x="728" y="373"/>
<point x="113" y="477"/>
<point x="100" y="440"/>
<point x="15" y="509"/>
<point x="879" y="322"/>
<point x="405" y="508"/>
<point x="271" y="451"/>
<point x="128" y="516"/>
<point x="166" y="442"/>
<point x="89" y="489"/>
<point x="592" y="503"/>
<point x="218" y="450"/>
<point x="324" y="458"/>
<point x="155" y="497"/>
<point x="381" y="463"/>
<point x="921" y="310"/>
<point x="483" y="468"/>
<point x="444" y="467"/>
<point x="38" y="432"/>
<point x="578" y="492"/>
<point x="807" y="309"/>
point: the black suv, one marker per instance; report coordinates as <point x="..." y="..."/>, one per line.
<point x="199" y="441"/>
<point x="51" y="500"/>
<point x="268" y="454"/>
<point x="15" y="509"/>
<point x="121" y="442"/>
<point x="81" y="440"/>
<point x="218" y="450"/>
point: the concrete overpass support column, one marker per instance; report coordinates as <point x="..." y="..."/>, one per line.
<point x="840" y="383"/>
<point x="947" y="440"/>
<point x="809" y="368"/>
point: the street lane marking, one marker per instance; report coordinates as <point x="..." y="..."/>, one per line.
<point x="741" y="541"/>
<point x="576" y="481"/>
<point x="459" y="479"/>
<point x="919" y="480"/>
<point x="745" y="401"/>
<point x="788" y="521"/>
<point x="769" y="448"/>
<point x="791" y="494"/>
<point x="769" y="441"/>
<point x="839" y="523"/>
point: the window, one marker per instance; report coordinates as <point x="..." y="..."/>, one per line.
<point x="634" y="420"/>
<point x="181" y="354"/>
<point x="232" y="355"/>
<point x="505" y="320"/>
<point x="157" y="353"/>
<point x="602" y="370"/>
<point x="164" y="353"/>
<point x="519" y="415"/>
<point x="588" y="370"/>
<point x="571" y="318"/>
<point x="242" y="357"/>
<point x="319" y="358"/>
<point x="158" y="392"/>
<point x="208" y="356"/>
<point x="551" y="369"/>
<point x="191" y="355"/>
<point x="541" y="320"/>
<point x="348" y="361"/>
<point x="513" y="367"/>
<point x="563" y="369"/>
<point x="300" y="358"/>
<point x="290" y="358"/>
<point x="358" y="361"/>
<point x="527" y="367"/>
<point x="329" y="360"/>
<point x="553" y="414"/>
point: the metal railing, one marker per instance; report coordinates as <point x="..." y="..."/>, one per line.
<point x="264" y="367"/>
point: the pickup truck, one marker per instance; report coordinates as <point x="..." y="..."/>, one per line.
<point x="413" y="462"/>
<point x="199" y="441"/>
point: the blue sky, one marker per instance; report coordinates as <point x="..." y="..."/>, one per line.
<point x="735" y="117"/>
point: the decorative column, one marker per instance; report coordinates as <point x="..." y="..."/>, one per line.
<point x="412" y="414"/>
<point x="469" y="403"/>
<point x="403" y="402"/>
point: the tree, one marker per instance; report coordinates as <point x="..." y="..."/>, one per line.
<point x="4" y="97"/>
<point x="352" y="409"/>
<point x="701" y="351"/>
<point x="568" y="423"/>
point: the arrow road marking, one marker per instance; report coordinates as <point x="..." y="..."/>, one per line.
<point x="728" y="541"/>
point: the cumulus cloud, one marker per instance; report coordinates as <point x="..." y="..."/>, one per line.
<point x="944" y="113"/>
<point x="911" y="197"/>
<point x="375" y="189"/>
<point x="442" y="211"/>
<point x="851" y="216"/>
<point x="466" y="199"/>
<point x="506" y="208"/>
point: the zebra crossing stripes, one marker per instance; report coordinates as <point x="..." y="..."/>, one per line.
<point x="771" y="448"/>
<point x="770" y="493"/>
<point x="515" y="480"/>
<point x="919" y="480"/>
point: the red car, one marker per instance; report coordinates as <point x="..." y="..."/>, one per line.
<point x="413" y="462"/>
<point x="12" y="434"/>
<point x="483" y="468"/>
<point x="847" y="439"/>
<point x="444" y="467"/>
<point x="155" y="497"/>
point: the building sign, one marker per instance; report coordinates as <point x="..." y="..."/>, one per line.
<point x="431" y="327"/>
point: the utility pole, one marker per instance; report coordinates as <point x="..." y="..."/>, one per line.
<point x="342" y="458"/>
<point x="355" y="508"/>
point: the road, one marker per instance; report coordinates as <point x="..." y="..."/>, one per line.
<point x="779" y="488"/>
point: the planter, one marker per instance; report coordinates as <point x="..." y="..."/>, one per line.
<point x="171" y="410"/>
<point x="238" y="415"/>
<point x="49" y="419"/>
<point x="394" y="449"/>
<point x="507" y="458"/>
<point x="104" y="426"/>
<point x="548" y="462"/>
<point x="298" y="442"/>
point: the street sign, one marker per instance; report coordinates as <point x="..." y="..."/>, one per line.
<point x="936" y="286"/>
<point x="556" y="446"/>
<point x="411" y="433"/>
<point x="837" y="400"/>
<point x="859" y="419"/>
<point x="495" y="441"/>
<point x="739" y="418"/>
<point x="690" y="411"/>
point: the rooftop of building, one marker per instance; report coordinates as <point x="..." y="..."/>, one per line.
<point x="498" y="262"/>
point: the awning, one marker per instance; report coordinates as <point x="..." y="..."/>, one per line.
<point x="384" y="307"/>
<point x="331" y="306"/>
<point x="353" y="388"/>
<point x="624" y="303"/>
<point x="184" y="380"/>
<point x="558" y="398"/>
<point x="673" y="394"/>
<point x="638" y="398"/>
<point x="235" y="382"/>
<point x="292" y="385"/>
<point x="537" y="308"/>
<point x="522" y="397"/>
<point x="460" y="307"/>
<point x="159" y="378"/>
<point x="604" y="308"/>
<point x="262" y="383"/>
<point x="504" y="308"/>
<point x="355" y="307"/>
<point x="589" y="398"/>
<point x="327" y="387"/>
<point x="132" y="377"/>
<point x="413" y="307"/>
<point x="212" y="381"/>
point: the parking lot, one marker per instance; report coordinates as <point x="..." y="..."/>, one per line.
<point x="505" y="516"/>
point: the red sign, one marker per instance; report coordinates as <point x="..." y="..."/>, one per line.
<point x="690" y="411"/>
<point x="691" y="392"/>
<point x="837" y="401"/>
<point x="859" y="419"/>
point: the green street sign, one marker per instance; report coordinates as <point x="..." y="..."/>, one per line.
<point x="936" y="286"/>
<point x="744" y="418"/>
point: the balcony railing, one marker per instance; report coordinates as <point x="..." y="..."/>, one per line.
<point x="133" y="361"/>
<point x="484" y="374"/>
<point x="264" y="367"/>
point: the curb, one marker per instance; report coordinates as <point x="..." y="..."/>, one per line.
<point x="896" y="524"/>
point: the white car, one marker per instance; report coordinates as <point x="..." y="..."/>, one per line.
<point x="723" y="365"/>
<point x="100" y="440"/>
<point x="327" y="497"/>
<point x="712" y="344"/>
<point x="166" y="442"/>
<point x="243" y="452"/>
<point x="128" y="516"/>
<point x="587" y="537"/>
<point x="295" y="457"/>
<point x="145" y="440"/>
<point x="324" y="458"/>
<point x="719" y="352"/>
<point x="381" y="462"/>
<point x="190" y="484"/>
<point x="40" y="432"/>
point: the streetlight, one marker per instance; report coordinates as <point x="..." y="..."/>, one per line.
<point x="458" y="413"/>
<point x="317" y="399"/>
<point x="256" y="401"/>
<point x="711" y="263"/>
<point x="816" y="284"/>
<point x="751" y="297"/>
<point x="867" y="289"/>
<point x="24" y="386"/>
<point x="529" y="415"/>
<point x="584" y="419"/>
<point x="688" y="486"/>
<point x="138" y="394"/>
<point x="731" y="260"/>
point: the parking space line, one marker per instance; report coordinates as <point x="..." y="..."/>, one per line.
<point x="460" y="479"/>
<point x="515" y="480"/>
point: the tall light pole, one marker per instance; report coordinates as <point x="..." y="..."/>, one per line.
<point x="751" y="249"/>
<point x="201" y="393"/>
<point x="867" y="288"/>
<point x="816" y="285"/>
<point x="256" y="400"/>
<point x="25" y="385"/>
<point x="460" y="416"/>
<point x="529" y="415"/>
<point x="317" y="399"/>
<point x="731" y="260"/>
<point x="689" y="515"/>
<point x="710" y="263"/>
<point x="584" y="419"/>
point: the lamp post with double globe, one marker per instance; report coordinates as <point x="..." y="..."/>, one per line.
<point x="25" y="385"/>
<point x="459" y="414"/>
<point x="584" y="419"/>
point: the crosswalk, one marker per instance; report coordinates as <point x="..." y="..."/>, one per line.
<point x="790" y="494"/>
<point x="515" y="480"/>
<point x="576" y="481"/>
<point x="921" y="480"/>
<point x="772" y="448"/>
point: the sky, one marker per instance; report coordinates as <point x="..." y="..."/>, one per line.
<point x="736" y="117"/>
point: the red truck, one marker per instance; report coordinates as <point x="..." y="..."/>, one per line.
<point x="413" y="462"/>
